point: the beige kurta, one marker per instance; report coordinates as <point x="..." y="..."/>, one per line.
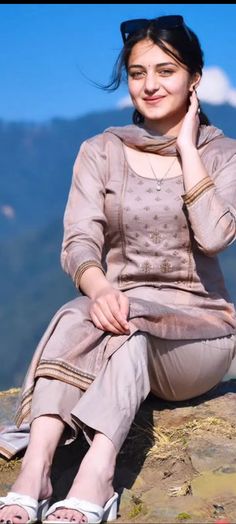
<point x="158" y="247"/>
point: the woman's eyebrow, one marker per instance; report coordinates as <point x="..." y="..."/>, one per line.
<point x="161" y="64"/>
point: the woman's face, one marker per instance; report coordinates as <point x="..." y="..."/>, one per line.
<point x="159" y="86"/>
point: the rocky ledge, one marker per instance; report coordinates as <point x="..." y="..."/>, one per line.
<point x="178" y="463"/>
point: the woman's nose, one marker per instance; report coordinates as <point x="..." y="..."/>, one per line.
<point x="151" y="83"/>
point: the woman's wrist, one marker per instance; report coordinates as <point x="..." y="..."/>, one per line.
<point x="192" y="167"/>
<point x="99" y="289"/>
<point x="188" y="151"/>
<point x="93" y="282"/>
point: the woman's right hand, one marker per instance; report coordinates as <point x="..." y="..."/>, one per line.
<point x="109" y="311"/>
<point x="187" y="137"/>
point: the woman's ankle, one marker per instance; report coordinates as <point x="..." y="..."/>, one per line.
<point x="94" y="481"/>
<point x="33" y="480"/>
<point x="37" y="465"/>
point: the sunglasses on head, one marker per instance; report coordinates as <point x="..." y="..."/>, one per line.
<point x="129" y="27"/>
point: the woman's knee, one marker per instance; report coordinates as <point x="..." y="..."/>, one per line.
<point x="131" y="359"/>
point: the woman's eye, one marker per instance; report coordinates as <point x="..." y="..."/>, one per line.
<point x="137" y="74"/>
<point x="166" y="72"/>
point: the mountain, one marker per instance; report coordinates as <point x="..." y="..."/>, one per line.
<point x="36" y="164"/>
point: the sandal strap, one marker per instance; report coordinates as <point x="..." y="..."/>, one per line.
<point x="29" y="504"/>
<point x="93" y="512"/>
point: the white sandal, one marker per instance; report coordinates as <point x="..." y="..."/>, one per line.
<point x="36" y="510"/>
<point x="94" y="513"/>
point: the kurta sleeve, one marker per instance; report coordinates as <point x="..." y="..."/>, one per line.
<point x="211" y="207"/>
<point x="84" y="218"/>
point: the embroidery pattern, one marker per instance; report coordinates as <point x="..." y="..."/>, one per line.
<point x="165" y="266"/>
<point x="156" y="237"/>
<point x="146" y="266"/>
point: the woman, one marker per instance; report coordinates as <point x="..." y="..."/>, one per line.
<point x="150" y="207"/>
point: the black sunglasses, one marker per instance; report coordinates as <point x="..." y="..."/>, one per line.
<point x="129" y="27"/>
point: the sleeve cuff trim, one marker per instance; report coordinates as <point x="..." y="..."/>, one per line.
<point x="198" y="190"/>
<point x="83" y="267"/>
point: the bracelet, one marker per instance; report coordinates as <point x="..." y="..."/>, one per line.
<point x="83" y="267"/>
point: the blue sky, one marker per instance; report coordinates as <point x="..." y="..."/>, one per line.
<point x="45" y="51"/>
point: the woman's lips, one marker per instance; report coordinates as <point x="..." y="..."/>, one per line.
<point x="153" y="100"/>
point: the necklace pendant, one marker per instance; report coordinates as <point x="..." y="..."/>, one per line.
<point x="158" y="185"/>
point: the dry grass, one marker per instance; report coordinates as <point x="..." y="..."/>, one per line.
<point x="12" y="391"/>
<point x="6" y="465"/>
<point x="167" y="441"/>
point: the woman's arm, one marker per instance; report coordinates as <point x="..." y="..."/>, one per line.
<point x="84" y="218"/>
<point x="212" y="211"/>
<point x="210" y="203"/>
<point x="83" y="240"/>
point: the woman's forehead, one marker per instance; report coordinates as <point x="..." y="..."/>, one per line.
<point x="146" y="50"/>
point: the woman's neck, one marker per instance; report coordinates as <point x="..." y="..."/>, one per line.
<point x="164" y="127"/>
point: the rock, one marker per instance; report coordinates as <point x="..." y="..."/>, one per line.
<point x="212" y="452"/>
<point x="215" y="485"/>
<point x="178" y="463"/>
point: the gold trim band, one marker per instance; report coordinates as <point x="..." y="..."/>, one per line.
<point x="200" y="188"/>
<point x="83" y="267"/>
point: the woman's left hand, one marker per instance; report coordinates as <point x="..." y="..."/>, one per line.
<point x="188" y="133"/>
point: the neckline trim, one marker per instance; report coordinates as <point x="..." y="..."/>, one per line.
<point x="130" y="169"/>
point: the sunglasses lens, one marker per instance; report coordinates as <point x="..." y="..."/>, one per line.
<point x="167" y="22"/>
<point x="163" y="22"/>
<point x="131" y="26"/>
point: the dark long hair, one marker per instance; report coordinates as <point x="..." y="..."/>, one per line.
<point x="186" y="49"/>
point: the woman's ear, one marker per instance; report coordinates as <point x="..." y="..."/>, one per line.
<point x="195" y="82"/>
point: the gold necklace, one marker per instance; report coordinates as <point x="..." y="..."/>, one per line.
<point x="160" y="180"/>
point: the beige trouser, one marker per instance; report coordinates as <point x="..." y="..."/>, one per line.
<point x="171" y="369"/>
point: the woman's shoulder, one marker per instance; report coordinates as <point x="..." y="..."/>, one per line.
<point x="109" y="135"/>
<point x="99" y="148"/>
<point x="217" y="142"/>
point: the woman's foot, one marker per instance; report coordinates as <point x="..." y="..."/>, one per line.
<point x="93" y="483"/>
<point x="34" y="477"/>
<point x="34" y="481"/>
